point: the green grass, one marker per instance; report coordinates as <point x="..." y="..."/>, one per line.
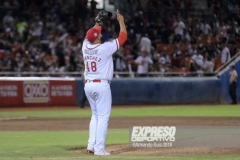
<point x="45" y="145"/>
<point x="50" y="144"/>
<point x="216" y="111"/>
<point x="55" y="145"/>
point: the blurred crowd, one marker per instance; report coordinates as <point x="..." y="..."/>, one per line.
<point x="46" y="36"/>
<point x="181" y="41"/>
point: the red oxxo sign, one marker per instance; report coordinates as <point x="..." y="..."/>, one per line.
<point x="37" y="92"/>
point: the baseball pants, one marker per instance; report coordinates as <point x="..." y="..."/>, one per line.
<point x="100" y="100"/>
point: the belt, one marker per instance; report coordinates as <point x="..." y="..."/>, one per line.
<point x="97" y="81"/>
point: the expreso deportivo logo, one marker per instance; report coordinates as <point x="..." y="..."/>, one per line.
<point x="153" y="133"/>
<point x="36" y="91"/>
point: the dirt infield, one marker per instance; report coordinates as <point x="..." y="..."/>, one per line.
<point x="65" y="124"/>
<point x="124" y="149"/>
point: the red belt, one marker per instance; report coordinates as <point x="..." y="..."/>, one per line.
<point x="97" y="81"/>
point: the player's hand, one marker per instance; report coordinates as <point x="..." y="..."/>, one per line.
<point x="119" y="17"/>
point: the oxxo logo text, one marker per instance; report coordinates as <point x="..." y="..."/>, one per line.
<point x="153" y="133"/>
<point x="36" y="91"/>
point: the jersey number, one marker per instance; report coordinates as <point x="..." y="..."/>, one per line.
<point x="93" y="66"/>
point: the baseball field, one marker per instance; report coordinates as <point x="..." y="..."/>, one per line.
<point x="61" y="133"/>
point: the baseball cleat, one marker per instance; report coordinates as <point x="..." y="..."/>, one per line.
<point x="103" y="153"/>
<point x="90" y="151"/>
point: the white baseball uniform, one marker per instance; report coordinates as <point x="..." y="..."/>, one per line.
<point x="98" y="74"/>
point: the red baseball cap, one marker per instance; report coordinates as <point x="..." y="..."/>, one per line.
<point x="93" y="33"/>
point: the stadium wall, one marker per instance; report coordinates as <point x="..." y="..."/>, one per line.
<point x="36" y="91"/>
<point x="176" y="90"/>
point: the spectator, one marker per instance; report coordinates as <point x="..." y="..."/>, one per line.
<point x="40" y="64"/>
<point x="145" y="45"/>
<point x="164" y="61"/>
<point x="208" y="66"/>
<point x="8" y="63"/>
<point x="21" y="26"/>
<point x="222" y="31"/>
<point x="210" y="50"/>
<point x="45" y="25"/>
<point x="143" y="62"/>
<point x="206" y="30"/>
<point x="197" y="60"/>
<point x="8" y="20"/>
<point x="155" y="59"/>
<point x="232" y="45"/>
<point x="36" y="27"/>
<point x="176" y="57"/>
<point x="233" y="84"/>
<point x="225" y="54"/>
<point x="19" y="63"/>
<point x="26" y="64"/>
<point x="17" y="49"/>
<point x="120" y="63"/>
<point x="179" y="27"/>
<point x="191" y="49"/>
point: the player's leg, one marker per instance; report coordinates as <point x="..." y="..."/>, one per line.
<point x="231" y="92"/>
<point x="103" y="103"/>
<point x="94" y="120"/>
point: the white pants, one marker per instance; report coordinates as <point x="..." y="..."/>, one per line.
<point x="100" y="99"/>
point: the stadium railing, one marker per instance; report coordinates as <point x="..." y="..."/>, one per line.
<point x="129" y="73"/>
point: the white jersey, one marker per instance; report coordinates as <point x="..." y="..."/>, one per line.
<point x="205" y="28"/>
<point x="180" y="26"/>
<point x="145" y="44"/>
<point x="198" y="59"/>
<point x="233" y="76"/>
<point x="98" y="59"/>
<point x="143" y="63"/>
<point x="225" y="55"/>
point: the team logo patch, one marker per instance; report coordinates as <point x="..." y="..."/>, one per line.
<point x="95" y="34"/>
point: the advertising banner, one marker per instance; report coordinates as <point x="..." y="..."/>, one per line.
<point x="11" y="93"/>
<point x="62" y="92"/>
<point x="37" y="92"/>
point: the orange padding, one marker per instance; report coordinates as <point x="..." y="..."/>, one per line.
<point x="122" y="38"/>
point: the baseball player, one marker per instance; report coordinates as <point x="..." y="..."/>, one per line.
<point x="98" y="74"/>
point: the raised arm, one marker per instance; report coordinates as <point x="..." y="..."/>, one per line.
<point x="122" y="37"/>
